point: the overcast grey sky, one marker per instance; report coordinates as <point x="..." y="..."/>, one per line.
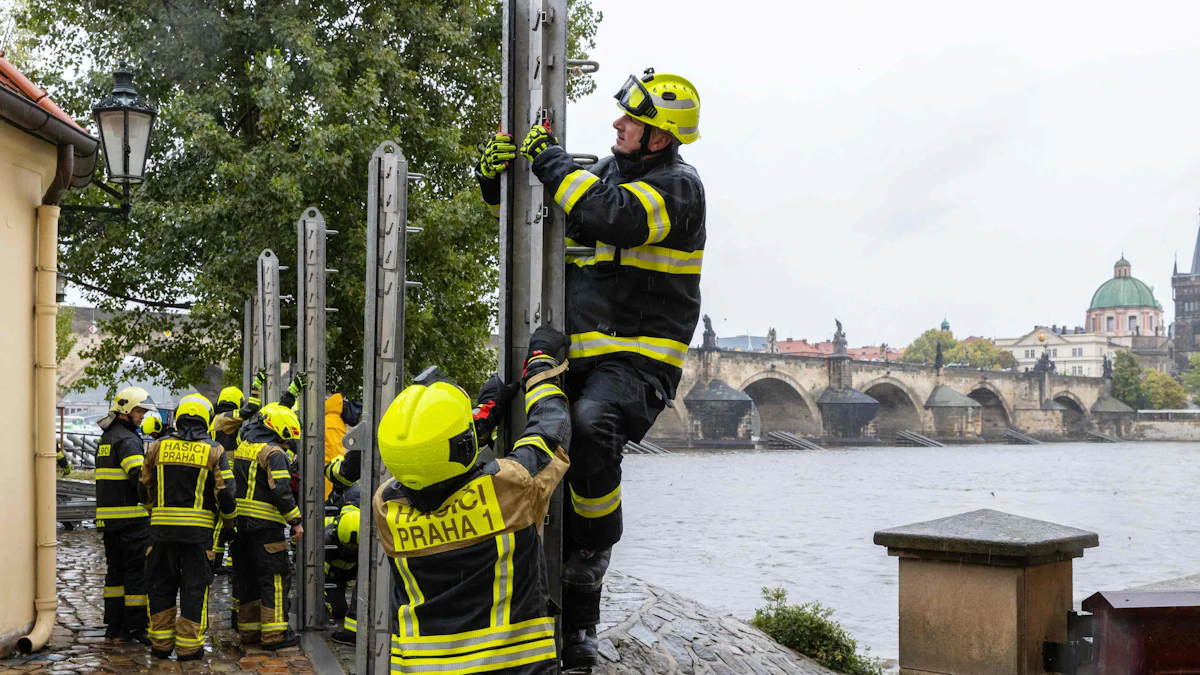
<point x="891" y="163"/>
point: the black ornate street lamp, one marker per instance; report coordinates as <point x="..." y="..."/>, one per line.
<point x="126" y="121"/>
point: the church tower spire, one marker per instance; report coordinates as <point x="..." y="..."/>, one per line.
<point x="1196" y="256"/>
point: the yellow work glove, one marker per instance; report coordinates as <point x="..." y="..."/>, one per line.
<point x="536" y="141"/>
<point x="498" y="152"/>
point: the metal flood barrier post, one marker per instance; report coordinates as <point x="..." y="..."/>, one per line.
<point x="383" y="371"/>
<point x="532" y="235"/>
<point x="249" y="340"/>
<point x="311" y="275"/>
<point x="267" y="332"/>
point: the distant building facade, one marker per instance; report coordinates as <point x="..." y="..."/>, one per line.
<point x="1124" y="305"/>
<point x="1073" y="352"/>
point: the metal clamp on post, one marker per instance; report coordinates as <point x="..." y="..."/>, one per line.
<point x="583" y="66"/>
<point x="584" y="159"/>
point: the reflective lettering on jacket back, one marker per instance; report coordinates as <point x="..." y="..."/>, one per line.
<point x="472" y="513"/>
<point x="248" y="451"/>
<point x="193" y="453"/>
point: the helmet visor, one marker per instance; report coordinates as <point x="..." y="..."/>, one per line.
<point x="635" y="99"/>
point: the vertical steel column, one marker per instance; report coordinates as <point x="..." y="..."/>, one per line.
<point x="531" y="233"/>
<point x="310" y="352"/>
<point x="248" y="327"/>
<point x="268" y="322"/>
<point x="383" y="371"/>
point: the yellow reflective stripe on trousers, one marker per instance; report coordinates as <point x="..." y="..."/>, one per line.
<point x="252" y="508"/>
<point x="164" y="634"/>
<point x="407" y="614"/>
<point x="137" y="600"/>
<point x="671" y="352"/>
<point x="536" y="441"/>
<point x="595" y="507"/>
<point x="494" y="209"/>
<point x="131" y="462"/>
<point x="114" y="591"/>
<point x="119" y="512"/>
<point x="573" y="188"/>
<point x="540" y="392"/>
<point x="469" y="641"/>
<point x="657" y="220"/>
<point x="502" y="581"/>
<point x="279" y="620"/>
<point x="350" y="625"/>
<point x="111" y="474"/>
<point x="661" y="259"/>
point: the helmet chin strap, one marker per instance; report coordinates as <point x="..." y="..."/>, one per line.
<point x="643" y="146"/>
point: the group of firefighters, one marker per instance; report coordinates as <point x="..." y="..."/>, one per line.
<point x="468" y="569"/>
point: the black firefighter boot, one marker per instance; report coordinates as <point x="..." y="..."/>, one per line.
<point x="584" y="571"/>
<point x="581" y="651"/>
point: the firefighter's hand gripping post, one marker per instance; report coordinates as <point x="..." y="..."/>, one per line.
<point x="469" y="574"/>
<point x="632" y="304"/>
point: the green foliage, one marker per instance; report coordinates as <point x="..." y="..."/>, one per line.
<point x="979" y="354"/>
<point x="924" y="348"/>
<point x="1161" y="392"/>
<point x="1127" y="379"/>
<point x="1191" y="376"/>
<point x="64" y="338"/>
<point x="266" y="108"/>
<point x="809" y="630"/>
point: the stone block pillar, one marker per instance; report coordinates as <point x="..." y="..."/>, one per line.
<point x="981" y="591"/>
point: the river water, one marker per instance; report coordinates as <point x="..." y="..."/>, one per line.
<point x="719" y="526"/>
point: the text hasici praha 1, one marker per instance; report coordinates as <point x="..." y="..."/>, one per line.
<point x="473" y="512"/>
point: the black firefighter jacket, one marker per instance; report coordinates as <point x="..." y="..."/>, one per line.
<point x="261" y="471"/>
<point x="188" y="485"/>
<point x="119" y="461"/>
<point x="468" y="571"/>
<point x="638" y="297"/>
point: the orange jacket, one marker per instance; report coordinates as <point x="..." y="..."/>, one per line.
<point x="335" y="429"/>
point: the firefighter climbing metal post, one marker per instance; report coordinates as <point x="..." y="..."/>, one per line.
<point x="267" y="331"/>
<point x="383" y="375"/>
<point x="532" y="234"/>
<point x="311" y="274"/>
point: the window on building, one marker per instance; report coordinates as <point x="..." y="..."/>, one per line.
<point x="1054" y="353"/>
<point x="1110" y="324"/>
<point x="1150" y="324"/>
<point x="1133" y="323"/>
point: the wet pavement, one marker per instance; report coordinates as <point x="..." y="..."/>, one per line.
<point x="77" y="644"/>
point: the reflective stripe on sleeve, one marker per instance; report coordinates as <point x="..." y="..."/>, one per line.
<point x="120" y="512"/>
<point x="292" y="515"/>
<point x="132" y="462"/>
<point x="595" y="507"/>
<point x="114" y="591"/>
<point x="540" y="392"/>
<point x="227" y="474"/>
<point x="604" y="253"/>
<point x="573" y="188"/>
<point x="137" y="601"/>
<point x="281" y="474"/>
<point x="495" y="209"/>
<point x="671" y="352"/>
<point x="657" y="220"/>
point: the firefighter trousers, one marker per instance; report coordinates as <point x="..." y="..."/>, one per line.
<point x="178" y="568"/>
<point x="611" y="404"/>
<point x="262" y="580"/>
<point x="335" y="598"/>
<point x="126" y="605"/>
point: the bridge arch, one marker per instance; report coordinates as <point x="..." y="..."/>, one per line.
<point x="899" y="406"/>
<point x="997" y="413"/>
<point x="782" y="404"/>
<point x="1076" y="416"/>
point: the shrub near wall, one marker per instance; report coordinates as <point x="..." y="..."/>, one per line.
<point x="809" y="630"/>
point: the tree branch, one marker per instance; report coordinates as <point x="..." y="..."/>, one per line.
<point x="148" y="303"/>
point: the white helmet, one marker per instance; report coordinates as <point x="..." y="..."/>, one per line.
<point x="131" y="398"/>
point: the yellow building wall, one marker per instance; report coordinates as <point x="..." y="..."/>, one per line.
<point x="27" y="166"/>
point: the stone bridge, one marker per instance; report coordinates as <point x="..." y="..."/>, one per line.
<point x="713" y="401"/>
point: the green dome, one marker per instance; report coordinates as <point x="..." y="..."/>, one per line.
<point x="1123" y="292"/>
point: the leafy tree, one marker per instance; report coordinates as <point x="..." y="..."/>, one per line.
<point x="1127" y="379"/>
<point x="65" y="339"/>
<point x="924" y="348"/>
<point x="1160" y="391"/>
<point x="1191" y="376"/>
<point x="266" y="108"/>
<point x="1005" y="360"/>
<point x="981" y="354"/>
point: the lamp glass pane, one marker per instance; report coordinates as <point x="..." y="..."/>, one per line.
<point x="112" y="132"/>
<point x="139" y="138"/>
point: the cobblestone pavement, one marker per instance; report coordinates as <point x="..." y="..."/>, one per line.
<point x="77" y="644"/>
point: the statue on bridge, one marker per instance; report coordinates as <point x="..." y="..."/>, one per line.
<point x="1044" y="364"/>
<point x="839" y="340"/>
<point x="1107" y="368"/>
<point x="772" y="342"/>
<point x="938" y="359"/>
<point x="710" y="335"/>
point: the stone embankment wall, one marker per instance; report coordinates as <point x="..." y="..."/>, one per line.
<point x="1163" y="430"/>
<point x="645" y="629"/>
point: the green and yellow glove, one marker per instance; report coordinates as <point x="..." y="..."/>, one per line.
<point x="536" y="141"/>
<point x="256" y="387"/>
<point x="299" y="382"/>
<point x="498" y="152"/>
